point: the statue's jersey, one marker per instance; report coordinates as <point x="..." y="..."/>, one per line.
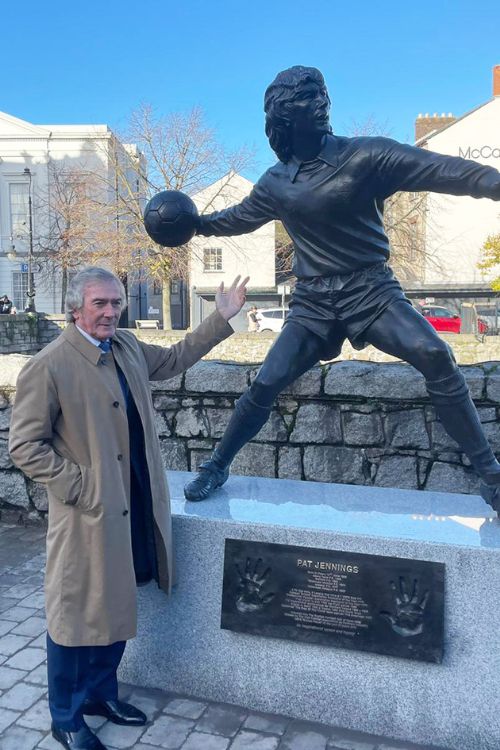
<point x="332" y="207"/>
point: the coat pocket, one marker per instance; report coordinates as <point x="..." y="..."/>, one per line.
<point x="66" y="485"/>
<point x="87" y="500"/>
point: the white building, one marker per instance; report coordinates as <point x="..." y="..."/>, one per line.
<point x="28" y="154"/>
<point x="216" y="259"/>
<point x="457" y="227"/>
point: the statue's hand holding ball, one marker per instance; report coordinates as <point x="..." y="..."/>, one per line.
<point x="171" y="218"/>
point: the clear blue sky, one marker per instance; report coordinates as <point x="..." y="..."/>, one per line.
<point x="73" y="62"/>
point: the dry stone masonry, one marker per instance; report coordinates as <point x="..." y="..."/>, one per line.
<point x="351" y="422"/>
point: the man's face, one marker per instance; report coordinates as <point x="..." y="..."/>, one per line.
<point x="309" y="109"/>
<point x="101" y="309"/>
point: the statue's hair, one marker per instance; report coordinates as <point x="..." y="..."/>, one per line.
<point x="78" y="284"/>
<point x="277" y="106"/>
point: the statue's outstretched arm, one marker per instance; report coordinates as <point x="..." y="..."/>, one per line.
<point x="253" y="212"/>
<point x="403" y="167"/>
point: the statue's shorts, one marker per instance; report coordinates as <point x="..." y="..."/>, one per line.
<point x="343" y="306"/>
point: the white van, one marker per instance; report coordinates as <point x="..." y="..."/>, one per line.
<point x="271" y="319"/>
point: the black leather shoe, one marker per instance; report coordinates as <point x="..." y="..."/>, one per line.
<point x="83" y="739"/>
<point x="491" y="493"/>
<point x="116" y="711"/>
<point x="209" y="477"/>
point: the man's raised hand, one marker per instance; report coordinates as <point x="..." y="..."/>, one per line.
<point x="229" y="302"/>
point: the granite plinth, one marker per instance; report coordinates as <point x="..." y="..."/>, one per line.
<point x="181" y="646"/>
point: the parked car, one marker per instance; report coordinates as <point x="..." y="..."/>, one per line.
<point x="445" y="321"/>
<point x="490" y="313"/>
<point x="271" y="319"/>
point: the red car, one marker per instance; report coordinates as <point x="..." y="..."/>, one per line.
<point x="444" y="320"/>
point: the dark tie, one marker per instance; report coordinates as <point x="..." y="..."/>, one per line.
<point x="106" y="347"/>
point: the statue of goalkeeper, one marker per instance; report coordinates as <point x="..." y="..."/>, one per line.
<point x="329" y="192"/>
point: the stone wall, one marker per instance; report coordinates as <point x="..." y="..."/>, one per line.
<point x="28" y="334"/>
<point x="351" y="422"/>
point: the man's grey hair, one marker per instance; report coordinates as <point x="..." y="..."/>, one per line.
<point x="78" y="284"/>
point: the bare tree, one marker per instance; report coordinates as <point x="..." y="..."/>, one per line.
<point x="181" y="153"/>
<point x="68" y="234"/>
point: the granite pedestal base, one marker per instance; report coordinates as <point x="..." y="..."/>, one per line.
<point x="455" y="704"/>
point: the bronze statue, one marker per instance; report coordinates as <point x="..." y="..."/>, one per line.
<point x="329" y="192"/>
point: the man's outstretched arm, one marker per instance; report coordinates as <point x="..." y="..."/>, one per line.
<point x="166" y="362"/>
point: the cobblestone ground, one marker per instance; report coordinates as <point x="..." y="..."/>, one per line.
<point x="176" y="722"/>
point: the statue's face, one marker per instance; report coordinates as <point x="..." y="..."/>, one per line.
<point x="309" y="109"/>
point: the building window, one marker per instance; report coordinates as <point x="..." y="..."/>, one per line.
<point x="19" y="289"/>
<point x="212" y="259"/>
<point x="19" y="208"/>
<point x="157" y="288"/>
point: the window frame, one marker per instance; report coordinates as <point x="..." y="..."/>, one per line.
<point x="216" y="254"/>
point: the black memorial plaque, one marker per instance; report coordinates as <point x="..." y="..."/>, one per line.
<point x="387" y="605"/>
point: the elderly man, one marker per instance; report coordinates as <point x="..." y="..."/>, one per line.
<point x="83" y="424"/>
<point x="329" y="192"/>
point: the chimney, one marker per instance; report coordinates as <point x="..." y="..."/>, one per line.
<point x="496" y="80"/>
<point x="425" y="124"/>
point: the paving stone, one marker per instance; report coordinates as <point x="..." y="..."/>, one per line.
<point x="95" y="722"/>
<point x="33" y="626"/>
<point x="36" y="600"/>
<point x="5" y="626"/>
<point x="21" y="590"/>
<point x="266" y="723"/>
<point x="9" y="677"/>
<point x="185" y="707"/>
<point x="40" y="642"/>
<point x="27" y="659"/>
<point x="301" y="735"/>
<point x="147" y="700"/>
<point x="18" y="614"/>
<point x="37" y="676"/>
<point x="168" y="731"/>
<point x="10" y="579"/>
<point x="10" y="644"/>
<point x="339" y="743"/>
<point x="20" y="738"/>
<point x="113" y="735"/>
<point x="254" y="741"/>
<point x="222" y="719"/>
<point x="5" y="604"/>
<point x="21" y="696"/>
<point x="37" y="579"/>
<point x="202" y="741"/>
<point x="7" y="718"/>
<point x="37" y="717"/>
<point x="49" y="743"/>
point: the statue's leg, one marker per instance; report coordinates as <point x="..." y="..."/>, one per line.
<point x="404" y="333"/>
<point x="295" y="350"/>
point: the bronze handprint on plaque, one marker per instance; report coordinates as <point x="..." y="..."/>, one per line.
<point x="408" y="618"/>
<point x="250" y="597"/>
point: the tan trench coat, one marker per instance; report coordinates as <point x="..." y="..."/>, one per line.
<point x="69" y="430"/>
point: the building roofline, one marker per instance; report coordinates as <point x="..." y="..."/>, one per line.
<point x="438" y="131"/>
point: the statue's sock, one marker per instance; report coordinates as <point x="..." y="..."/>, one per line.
<point x="453" y="404"/>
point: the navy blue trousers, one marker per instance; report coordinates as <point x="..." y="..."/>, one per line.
<point x="79" y="672"/>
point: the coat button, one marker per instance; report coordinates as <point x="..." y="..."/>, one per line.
<point x="119" y="457"/>
<point x="116" y="404"/>
<point x="125" y="513"/>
